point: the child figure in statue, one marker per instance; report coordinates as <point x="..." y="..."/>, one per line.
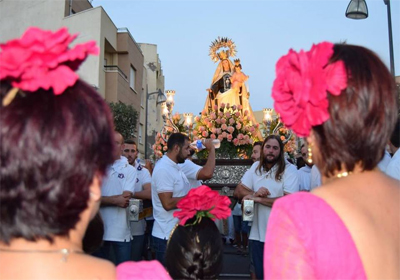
<point x="238" y="77"/>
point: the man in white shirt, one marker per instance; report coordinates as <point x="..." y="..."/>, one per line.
<point x="315" y="177"/>
<point x="393" y="168"/>
<point x="142" y="191"/>
<point x="170" y="185"/>
<point x="116" y="190"/>
<point x="304" y="173"/>
<point x="269" y="179"/>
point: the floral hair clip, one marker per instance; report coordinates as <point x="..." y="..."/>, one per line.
<point x="42" y="59"/>
<point x="202" y="202"/>
<point x="303" y="80"/>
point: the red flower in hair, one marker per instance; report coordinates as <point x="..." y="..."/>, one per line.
<point x="42" y="59"/>
<point x="302" y="83"/>
<point x="203" y="202"/>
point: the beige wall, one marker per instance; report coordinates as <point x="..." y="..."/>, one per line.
<point x="155" y="81"/>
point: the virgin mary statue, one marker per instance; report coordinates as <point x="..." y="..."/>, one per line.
<point x="221" y="90"/>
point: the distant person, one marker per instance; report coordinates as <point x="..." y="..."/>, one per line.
<point x="116" y="190"/>
<point x="393" y="168"/>
<point x="142" y="191"/>
<point x="305" y="172"/>
<point x="170" y="185"/>
<point x="269" y="179"/>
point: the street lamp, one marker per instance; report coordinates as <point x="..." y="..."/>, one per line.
<point x="160" y="99"/>
<point x="357" y="9"/>
<point x="267" y="119"/>
<point x="188" y="122"/>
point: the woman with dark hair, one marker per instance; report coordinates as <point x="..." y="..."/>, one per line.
<point x="194" y="249"/>
<point x="56" y="143"/>
<point x="343" y="99"/>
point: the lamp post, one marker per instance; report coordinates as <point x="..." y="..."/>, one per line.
<point x="160" y="99"/>
<point x="267" y="119"/>
<point x="357" y="9"/>
<point x="188" y="122"/>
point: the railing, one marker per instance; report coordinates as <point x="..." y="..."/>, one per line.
<point x="115" y="68"/>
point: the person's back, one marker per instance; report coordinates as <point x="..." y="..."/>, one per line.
<point x="371" y="217"/>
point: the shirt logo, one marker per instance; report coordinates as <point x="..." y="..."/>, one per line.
<point x="137" y="180"/>
<point x="139" y="167"/>
<point x="121" y="176"/>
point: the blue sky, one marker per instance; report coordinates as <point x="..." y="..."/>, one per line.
<point x="262" y="30"/>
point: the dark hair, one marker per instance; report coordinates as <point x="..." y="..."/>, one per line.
<point x="362" y="117"/>
<point x="258" y="143"/>
<point x="281" y="159"/>
<point x="52" y="146"/>
<point x="395" y="138"/>
<point x="176" y="139"/>
<point x="195" y="251"/>
<point x="130" y="142"/>
<point x="93" y="238"/>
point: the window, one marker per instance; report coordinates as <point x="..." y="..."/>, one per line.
<point x="140" y="134"/>
<point x="132" y="78"/>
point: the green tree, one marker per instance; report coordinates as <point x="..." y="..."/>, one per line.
<point x="125" y="118"/>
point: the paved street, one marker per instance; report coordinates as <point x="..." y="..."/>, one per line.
<point x="236" y="264"/>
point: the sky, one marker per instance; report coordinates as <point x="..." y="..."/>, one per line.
<point x="262" y="30"/>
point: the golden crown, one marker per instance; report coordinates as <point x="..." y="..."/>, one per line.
<point x="237" y="62"/>
<point x="223" y="55"/>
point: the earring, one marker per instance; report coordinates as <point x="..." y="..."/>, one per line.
<point x="309" y="157"/>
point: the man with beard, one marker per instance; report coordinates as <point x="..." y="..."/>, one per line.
<point x="304" y="173"/>
<point x="272" y="177"/>
<point x="170" y="185"/>
<point x="142" y="191"/>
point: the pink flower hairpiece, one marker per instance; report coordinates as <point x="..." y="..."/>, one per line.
<point x="42" y="59"/>
<point x="303" y="80"/>
<point x="203" y="202"/>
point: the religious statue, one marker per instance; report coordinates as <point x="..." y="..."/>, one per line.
<point x="228" y="83"/>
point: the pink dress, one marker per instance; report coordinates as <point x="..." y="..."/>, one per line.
<point x="306" y="239"/>
<point x="143" y="270"/>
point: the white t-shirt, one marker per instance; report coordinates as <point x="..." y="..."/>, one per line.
<point x="393" y="168"/>
<point x="191" y="170"/>
<point x="143" y="177"/>
<point x="120" y="177"/>
<point x="315" y="177"/>
<point x="382" y="165"/>
<point x="167" y="177"/>
<point x="289" y="184"/>
<point x="304" y="178"/>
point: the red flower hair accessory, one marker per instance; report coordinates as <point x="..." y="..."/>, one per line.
<point x="42" y="59"/>
<point x="203" y="202"/>
<point x="301" y="87"/>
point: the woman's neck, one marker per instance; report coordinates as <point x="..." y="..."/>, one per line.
<point x="44" y="245"/>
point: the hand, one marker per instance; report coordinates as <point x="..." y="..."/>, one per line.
<point x="122" y="201"/>
<point x="262" y="192"/>
<point x="247" y="197"/>
<point x="208" y="144"/>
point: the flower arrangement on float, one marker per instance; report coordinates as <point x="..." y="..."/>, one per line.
<point x="232" y="126"/>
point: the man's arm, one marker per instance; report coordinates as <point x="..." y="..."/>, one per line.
<point x="207" y="171"/>
<point x="168" y="202"/>
<point x="145" y="194"/>
<point x="241" y="191"/>
<point x="116" y="200"/>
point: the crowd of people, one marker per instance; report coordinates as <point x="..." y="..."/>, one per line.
<point x="67" y="178"/>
